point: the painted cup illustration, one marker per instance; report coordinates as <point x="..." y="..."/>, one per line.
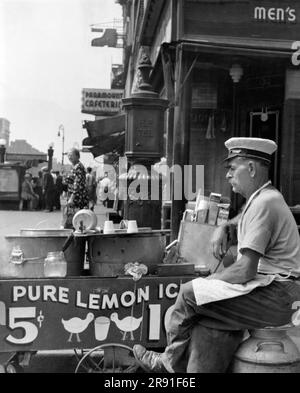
<point x="132" y="226"/>
<point x="108" y="227"/>
<point x="101" y="328"/>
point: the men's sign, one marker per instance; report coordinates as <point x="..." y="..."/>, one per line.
<point x="275" y="14"/>
<point x="258" y="19"/>
<point x="101" y="101"/>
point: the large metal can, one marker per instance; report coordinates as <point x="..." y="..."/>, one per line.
<point x="108" y="254"/>
<point x="268" y="350"/>
<point x="23" y="255"/>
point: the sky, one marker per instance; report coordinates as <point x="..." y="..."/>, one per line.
<point x="46" y="59"/>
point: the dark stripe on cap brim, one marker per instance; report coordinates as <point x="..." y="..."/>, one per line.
<point x="245" y="155"/>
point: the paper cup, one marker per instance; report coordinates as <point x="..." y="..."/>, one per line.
<point x="108" y="227"/>
<point x="132" y="226"/>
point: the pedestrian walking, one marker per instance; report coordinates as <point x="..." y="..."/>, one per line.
<point x="77" y="196"/>
<point x="48" y="188"/>
<point x="91" y="186"/>
<point x="28" y="196"/>
<point x="39" y="191"/>
<point x="57" y="189"/>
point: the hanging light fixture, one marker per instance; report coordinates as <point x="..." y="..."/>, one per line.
<point x="236" y="72"/>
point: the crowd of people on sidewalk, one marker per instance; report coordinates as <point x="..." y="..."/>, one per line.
<point x="42" y="192"/>
<point x="80" y="187"/>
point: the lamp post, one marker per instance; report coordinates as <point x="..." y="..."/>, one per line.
<point x="2" y="150"/>
<point x="50" y="156"/>
<point x="61" y="129"/>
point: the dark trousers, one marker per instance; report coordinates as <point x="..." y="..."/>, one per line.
<point x="264" y="306"/>
<point x="48" y="196"/>
<point x="56" y="202"/>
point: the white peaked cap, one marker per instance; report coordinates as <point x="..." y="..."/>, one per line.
<point x="250" y="147"/>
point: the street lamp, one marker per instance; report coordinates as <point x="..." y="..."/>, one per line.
<point x="2" y="150"/>
<point x="50" y="156"/>
<point x="61" y="129"/>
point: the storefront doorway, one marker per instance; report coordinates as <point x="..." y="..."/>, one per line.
<point x="260" y="106"/>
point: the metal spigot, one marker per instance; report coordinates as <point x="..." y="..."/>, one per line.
<point x="81" y="226"/>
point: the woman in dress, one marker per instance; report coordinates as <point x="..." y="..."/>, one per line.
<point x="77" y="196"/>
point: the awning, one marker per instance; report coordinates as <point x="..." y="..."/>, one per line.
<point x="105" y="135"/>
<point x="104" y="145"/>
<point x="105" y="127"/>
<point x="238" y="45"/>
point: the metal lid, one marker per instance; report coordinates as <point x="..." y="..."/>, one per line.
<point x="84" y="218"/>
<point x="45" y="232"/>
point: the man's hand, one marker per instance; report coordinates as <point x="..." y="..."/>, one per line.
<point x="219" y="242"/>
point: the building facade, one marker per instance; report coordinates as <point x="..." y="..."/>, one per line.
<point x="228" y="68"/>
<point x="4" y="130"/>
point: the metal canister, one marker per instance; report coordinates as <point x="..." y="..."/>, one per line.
<point x="268" y="350"/>
<point x="108" y="254"/>
<point x="23" y="255"/>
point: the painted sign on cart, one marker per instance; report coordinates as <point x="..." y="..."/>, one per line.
<point x="84" y="312"/>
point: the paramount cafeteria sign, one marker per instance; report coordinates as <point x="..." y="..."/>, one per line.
<point x="101" y="101"/>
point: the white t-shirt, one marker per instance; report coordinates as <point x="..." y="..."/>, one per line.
<point x="268" y="227"/>
<point x="105" y="182"/>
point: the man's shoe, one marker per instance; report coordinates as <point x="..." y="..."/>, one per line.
<point x="150" y="361"/>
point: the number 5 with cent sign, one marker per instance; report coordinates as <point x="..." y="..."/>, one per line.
<point x="30" y="329"/>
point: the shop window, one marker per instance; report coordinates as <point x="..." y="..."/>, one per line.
<point x="210" y="125"/>
<point x="204" y="95"/>
<point x="265" y="124"/>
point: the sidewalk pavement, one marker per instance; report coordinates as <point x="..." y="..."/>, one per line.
<point x="14" y="220"/>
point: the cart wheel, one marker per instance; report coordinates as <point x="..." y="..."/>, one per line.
<point x="79" y="353"/>
<point x="108" y="358"/>
<point x="14" y="368"/>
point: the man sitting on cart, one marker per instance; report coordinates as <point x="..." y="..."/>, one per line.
<point x="259" y="288"/>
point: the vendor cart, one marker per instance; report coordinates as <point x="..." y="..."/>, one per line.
<point x="102" y="312"/>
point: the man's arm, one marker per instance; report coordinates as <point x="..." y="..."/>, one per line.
<point x="219" y="238"/>
<point x="240" y="272"/>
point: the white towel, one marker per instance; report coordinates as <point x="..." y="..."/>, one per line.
<point x="207" y="291"/>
